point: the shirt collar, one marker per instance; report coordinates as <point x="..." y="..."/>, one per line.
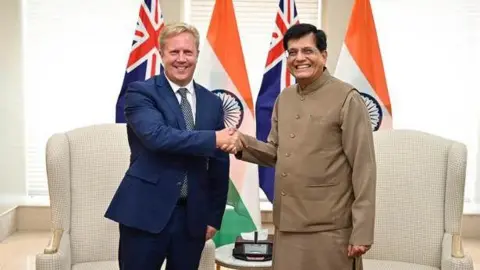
<point x="176" y="87"/>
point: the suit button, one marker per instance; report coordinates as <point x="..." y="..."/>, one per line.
<point x="283" y="193"/>
<point x="284" y="174"/>
<point x="287" y="154"/>
<point x="179" y="183"/>
<point x="292" y="135"/>
<point x="302" y="98"/>
<point x="297" y="116"/>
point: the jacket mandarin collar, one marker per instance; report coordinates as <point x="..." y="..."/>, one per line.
<point x="315" y="85"/>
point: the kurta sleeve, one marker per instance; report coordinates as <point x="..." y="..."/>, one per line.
<point x="258" y="152"/>
<point x="357" y="140"/>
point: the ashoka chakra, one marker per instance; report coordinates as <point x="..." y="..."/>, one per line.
<point x="232" y="107"/>
<point x="374" y="110"/>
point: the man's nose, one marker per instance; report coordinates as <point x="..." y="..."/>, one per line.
<point x="181" y="57"/>
<point x="300" y="56"/>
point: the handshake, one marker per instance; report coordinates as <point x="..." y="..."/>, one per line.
<point x="228" y="140"/>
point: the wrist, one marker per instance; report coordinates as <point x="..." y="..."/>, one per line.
<point x="217" y="135"/>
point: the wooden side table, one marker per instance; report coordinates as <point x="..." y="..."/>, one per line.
<point x="224" y="257"/>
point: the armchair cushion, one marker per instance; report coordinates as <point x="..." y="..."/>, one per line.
<point x="448" y="261"/>
<point x="394" y="265"/>
<point x="107" y="265"/>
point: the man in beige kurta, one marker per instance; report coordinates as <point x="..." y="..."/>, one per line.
<point x="321" y="146"/>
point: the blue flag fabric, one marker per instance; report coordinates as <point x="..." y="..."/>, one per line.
<point x="144" y="61"/>
<point x="275" y="79"/>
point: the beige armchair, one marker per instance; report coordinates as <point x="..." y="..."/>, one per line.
<point x="420" y="193"/>
<point x="84" y="168"/>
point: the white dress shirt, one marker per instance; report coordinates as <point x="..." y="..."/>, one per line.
<point x="190" y="95"/>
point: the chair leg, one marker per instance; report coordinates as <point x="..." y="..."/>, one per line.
<point x="218" y="267"/>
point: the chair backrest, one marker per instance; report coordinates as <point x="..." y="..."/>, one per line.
<point x="420" y="180"/>
<point x="85" y="167"/>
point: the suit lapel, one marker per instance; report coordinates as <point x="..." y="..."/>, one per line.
<point x="201" y="107"/>
<point x="166" y="92"/>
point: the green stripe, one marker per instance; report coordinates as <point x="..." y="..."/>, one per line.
<point x="235" y="221"/>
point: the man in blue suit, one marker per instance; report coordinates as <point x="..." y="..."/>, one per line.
<point x="173" y="195"/>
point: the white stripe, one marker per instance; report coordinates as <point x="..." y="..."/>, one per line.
<point x="348" y="71"/>
<point x="211" y="74"/>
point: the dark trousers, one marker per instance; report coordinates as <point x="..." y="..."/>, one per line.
<point x="147" y="251"/>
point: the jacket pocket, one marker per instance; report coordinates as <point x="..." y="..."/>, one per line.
<point x="320" y="182"/>
<point x="146" y="169"/>
<point x="318" y="191"/>
<point x="320" y="185"/>
<point x="317" y="119"/>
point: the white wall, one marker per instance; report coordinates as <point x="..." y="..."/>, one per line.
<point x="12" y="146"/>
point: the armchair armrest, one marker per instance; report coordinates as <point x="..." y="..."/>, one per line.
<point x="453" y="257"/>
<point x="207" y="261"/>
<point x="54" y="243"/>
<point x="57" y="254"/>
<point x="457" y="246"/>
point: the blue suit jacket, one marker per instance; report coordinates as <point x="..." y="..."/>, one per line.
<point x="161" y="150"/>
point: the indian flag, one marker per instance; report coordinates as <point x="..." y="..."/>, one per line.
<point x="222" y="69"/>
<point x="360" y="64"/>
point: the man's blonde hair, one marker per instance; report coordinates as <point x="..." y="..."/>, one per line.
<point x="175" y="29"/>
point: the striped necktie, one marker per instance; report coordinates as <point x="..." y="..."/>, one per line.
<point x="188" y="116"/>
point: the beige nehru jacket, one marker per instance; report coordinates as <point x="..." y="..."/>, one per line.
<point x="321" y="144"/>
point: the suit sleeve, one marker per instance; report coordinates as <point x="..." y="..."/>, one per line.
<point x="218" y="172"/>
<point x="148" y="123"/>
<point x="258" y="152"/>
<point x="357" y="139"/>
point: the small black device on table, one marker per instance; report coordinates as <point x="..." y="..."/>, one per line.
<point x="253" y="250"/>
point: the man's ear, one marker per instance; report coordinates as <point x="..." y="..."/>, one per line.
<point x="325" y="54"/>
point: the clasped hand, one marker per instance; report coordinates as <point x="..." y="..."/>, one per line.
<point x="229" y="141"/>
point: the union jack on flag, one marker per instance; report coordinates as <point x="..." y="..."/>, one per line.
<point x="275" y="79"/>
<point x="144" y="61"/>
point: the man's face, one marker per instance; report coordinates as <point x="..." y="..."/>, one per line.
<point x="304" y="60"/>
<point x="179" y="57"/>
